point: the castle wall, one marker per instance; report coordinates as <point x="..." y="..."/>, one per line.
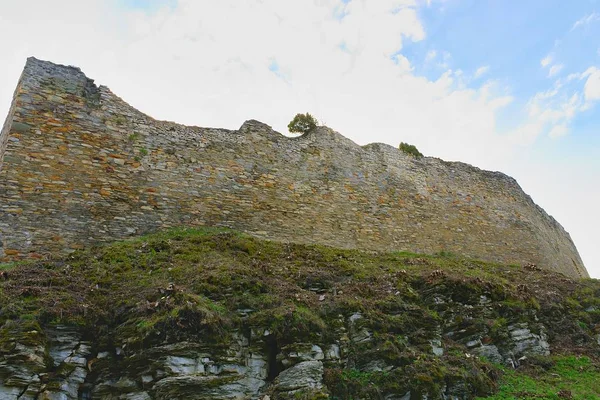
<point x="8" y="124"/>
<point x="82" y="167"/>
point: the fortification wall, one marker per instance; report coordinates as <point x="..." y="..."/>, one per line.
<point x="8" y="125"/>
<point x="82" y="166"/>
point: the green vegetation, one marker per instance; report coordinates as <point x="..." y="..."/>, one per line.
<point x="143" y="151"/>
<point x="190" y="284"/>
<point x="120" y="120"/>
<point x="302" y="123"/>
<point x="562" y="377"/>
<point x="410" y="149"/>
<point x="133" y="137"/>
<point x="4" y="266"/>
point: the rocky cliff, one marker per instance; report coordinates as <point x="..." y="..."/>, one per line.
<point x="212" y="314"/>
<point x="79" y="166"/>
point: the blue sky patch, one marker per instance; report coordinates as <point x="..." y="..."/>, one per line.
<point x="512" y="40"/>
<point x="147" y="5"/>
<point x="528" y="49"/>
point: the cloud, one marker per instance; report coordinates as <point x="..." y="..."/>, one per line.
<point x="350" y="71"/>
<point x="586" y="20"/>
<point x="592" y="84"/>
<point x="558" y="131"/>
<point x="591" y="87"/>
<point x="561" y="110"/>
<point x="430" y="56"/>
<point x="481" y="71"/>
<point x="446" y="58"/>
<point x="359" y="89"/>
<point x="546" y="61"/>
<point x="555" y="69"/>
<point x="554" y="109"/>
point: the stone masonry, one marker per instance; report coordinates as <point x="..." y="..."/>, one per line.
<point x="78" y="165"/>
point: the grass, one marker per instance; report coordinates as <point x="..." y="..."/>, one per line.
<point x="569" y="377"/>
<point x="7" y="266"/>
<point x="202" y="284"/>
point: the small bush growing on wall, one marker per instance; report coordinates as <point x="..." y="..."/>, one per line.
<point x="410" y="149"/>
<point x="302" y="123"/>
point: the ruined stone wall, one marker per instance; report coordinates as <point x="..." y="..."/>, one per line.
<point x="8" y="125"/>
<point x="82" y="166"/>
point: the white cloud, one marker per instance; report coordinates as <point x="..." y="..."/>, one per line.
<point x="546" y="61"/>
<point x="592" y="84"/>
<point x="555" y="69"/>
<point x="554" y="109"/>
<point x="446" y="58"/>
<point x="347" y="70"/>
<point x="481" y="71"/>
<point x="591" y="87"/>
<point x="586" y="20"/>
<point x="558" y="131"/>
<point x="430" y="56"/>
<point x="215" y="76"/>
<point x="403" y="64"/>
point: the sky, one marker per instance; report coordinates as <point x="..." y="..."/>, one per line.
<point x="511" y="86"/>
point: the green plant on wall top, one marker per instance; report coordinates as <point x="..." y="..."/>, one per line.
<point x="302" y="123"/>
<point x="410" y="149"/>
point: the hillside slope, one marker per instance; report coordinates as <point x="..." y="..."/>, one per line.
<point x="212" y="314"/>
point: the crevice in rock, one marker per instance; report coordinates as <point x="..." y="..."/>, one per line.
<point x="86" y="388"/>
<point x="91" y="93"/>
<point x="23" y="392"/>
<point x="85" y="391"/>
<point x="272" y="349"/>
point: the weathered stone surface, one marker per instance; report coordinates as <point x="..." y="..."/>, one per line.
<point x="527" y="342"/>
<point x="490" y="352"/>
<point x="202" y="387"/>
<point x="301" y="352"/>
<point x="305" y="376"/>
<point x="185" y="370"/>
<point x="240" y="369"/>
<point x="22" y="360"/>
<point x="90" y="168"/>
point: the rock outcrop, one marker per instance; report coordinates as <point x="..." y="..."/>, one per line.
<point x="220" y="315"/>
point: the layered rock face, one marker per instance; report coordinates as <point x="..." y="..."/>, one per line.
<point x="189" y="370"/>
<point x="178" y="371"/>
<point x="82" y="166"/>
<point x="215" y="314"/>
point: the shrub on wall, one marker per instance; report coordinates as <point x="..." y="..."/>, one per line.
<point x="410" y="149"/>
<point x="302" y="123"/>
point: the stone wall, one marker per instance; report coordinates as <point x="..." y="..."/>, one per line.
<point x="8" y="126"/>
<point x="82" y="166"/>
